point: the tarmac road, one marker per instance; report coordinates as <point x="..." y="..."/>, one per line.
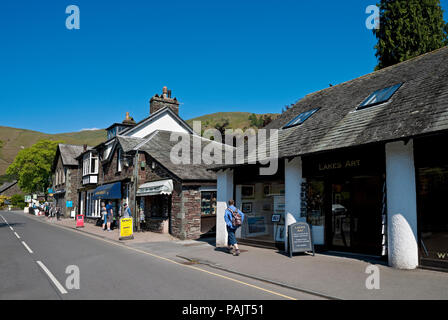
<point x="34" y="257"/>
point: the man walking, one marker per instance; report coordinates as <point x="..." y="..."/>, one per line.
<point x="234" y="219"/>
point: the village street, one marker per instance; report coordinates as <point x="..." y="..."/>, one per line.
<point x="35" y="257"/>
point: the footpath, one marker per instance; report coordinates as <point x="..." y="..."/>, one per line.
<point x="327" y="275"/>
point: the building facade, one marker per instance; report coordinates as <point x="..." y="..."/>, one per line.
<point x="363" y="163"/>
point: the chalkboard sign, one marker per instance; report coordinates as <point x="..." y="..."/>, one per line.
<point x="300" y="239"/>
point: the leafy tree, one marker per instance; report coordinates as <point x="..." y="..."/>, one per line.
<point x="18" y="201"/>
<point x="32" y="166"/>
<point x="409" y="28"/>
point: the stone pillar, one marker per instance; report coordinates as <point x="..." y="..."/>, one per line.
<point x="401" y="205"/>
<point x="224" y="194"/>
<point x="293" y="185"/>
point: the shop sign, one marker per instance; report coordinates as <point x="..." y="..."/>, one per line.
<point x="347" y="164"/>
<point x="300" y="239"/>
<point x="126" y="228"/>
<point x="69" y="204"/>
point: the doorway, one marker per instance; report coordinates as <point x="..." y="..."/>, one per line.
<point x="354" y="217"/>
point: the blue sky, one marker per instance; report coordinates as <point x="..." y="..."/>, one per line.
<point x="215" y="55"/>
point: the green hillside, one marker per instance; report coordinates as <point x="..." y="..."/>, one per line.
<point x="16" y="139"/>
<point x="237" y="120"/>
<point x="13" y="140"/>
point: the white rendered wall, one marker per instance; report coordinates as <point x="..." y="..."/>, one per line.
<point x="293" y="185"/>
<point x="224" y="194"/>
<point x="401" y="205"/>
<point x="166" y="122"/>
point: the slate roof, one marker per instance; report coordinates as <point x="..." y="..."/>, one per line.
<point x="159" y="145"/>
<point x="5" y="186"/>
<point x="69" y="153"/>
<point x="419" y="107"/>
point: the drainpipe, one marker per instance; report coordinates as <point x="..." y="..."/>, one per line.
<point x="134" y="201"/>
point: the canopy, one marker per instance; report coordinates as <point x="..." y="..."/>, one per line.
<point x="155" y="188"/>
<point x="108" y="191"/>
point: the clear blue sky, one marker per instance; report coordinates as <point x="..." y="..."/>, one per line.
<point x="215" y="55"/>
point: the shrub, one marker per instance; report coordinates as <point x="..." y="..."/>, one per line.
<point x="18" y="201"/>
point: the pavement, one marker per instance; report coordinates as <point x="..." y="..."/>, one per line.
<point x="323" y="276"/>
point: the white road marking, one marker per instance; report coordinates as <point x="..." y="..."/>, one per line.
<point x="11" y="228"/>
<point x="27" y="248"/>
<point x="18" y="237"/>
<point x="52" y="278"/>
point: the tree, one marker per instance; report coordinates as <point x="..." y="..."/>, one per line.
<point x="32" y="166"/>
<point x="409" y="28"/>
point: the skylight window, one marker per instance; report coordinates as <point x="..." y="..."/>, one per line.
<point x="379" y="96"/>
<point x="300" y="118"/>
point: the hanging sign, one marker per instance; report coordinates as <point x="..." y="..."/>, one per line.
<point x="300" y="239"/>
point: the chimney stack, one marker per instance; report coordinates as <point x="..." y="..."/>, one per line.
<point x="159" y="102"/>
<point x="85" y="147"/>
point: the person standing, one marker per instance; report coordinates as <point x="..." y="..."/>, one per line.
<point x="126" y="211"/>
<point x="58" y="213"/>
<point x="103" y="212"/>
<point x="109" y="215"/>
<point x="234" y="219"/>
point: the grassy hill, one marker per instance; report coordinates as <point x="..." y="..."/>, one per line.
<point x="237" y="120"/>
<point x="16" y="139"/>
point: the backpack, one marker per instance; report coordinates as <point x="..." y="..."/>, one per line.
<point x="236" y="218"/>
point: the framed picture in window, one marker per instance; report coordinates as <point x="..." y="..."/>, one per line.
<point x="279" y="233"/>
<point x="267" y="190"/>
<point x="248" y="192"/>
<point x="246" y="207"/>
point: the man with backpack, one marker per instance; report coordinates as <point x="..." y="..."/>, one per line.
<point x="234" y="219"/>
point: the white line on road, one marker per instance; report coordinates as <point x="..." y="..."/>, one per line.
<point x="27" y="248"/>
<point x="18" y="237"/>
<point x="52" y="278"/>
<point x="11" y="228"/>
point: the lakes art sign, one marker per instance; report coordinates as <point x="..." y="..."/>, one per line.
<point x="346" y="164"/>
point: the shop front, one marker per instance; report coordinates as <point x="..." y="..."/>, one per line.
<point x="343" y="198"/>
<point x="154" y="203"/>
<point x="262" y="200"/>
<point x="107" y="193"/>
<point x="431" y="161"/>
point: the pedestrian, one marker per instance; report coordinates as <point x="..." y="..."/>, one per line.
<point x="234" y="219"/>
<point x="103" y="215"/>
<point x="58" y="213"/>
<point x="109" y="215"/>
<point x="127" y="211"/>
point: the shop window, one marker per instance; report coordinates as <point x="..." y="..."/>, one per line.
<point x="301" y="118"/>
<point x="315" y="213"/>
<point x="159" y="206"/>
<point x="379" y="96"/>
<point x="208" y="203"/>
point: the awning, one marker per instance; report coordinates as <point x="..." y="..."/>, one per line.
<point x="155" y="188"/>
<point x="108" y="191"/>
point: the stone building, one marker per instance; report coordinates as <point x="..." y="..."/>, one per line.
<point x="66" y="178"/>
<point x="133" y="166"/>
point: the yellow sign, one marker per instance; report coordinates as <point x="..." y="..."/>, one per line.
<point x="126" y="228"/>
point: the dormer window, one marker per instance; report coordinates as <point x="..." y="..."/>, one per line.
<point x="301" y="118"/>
<point x="379" y="96"/>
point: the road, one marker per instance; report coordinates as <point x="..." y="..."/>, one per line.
<point x="34" y="257"/>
